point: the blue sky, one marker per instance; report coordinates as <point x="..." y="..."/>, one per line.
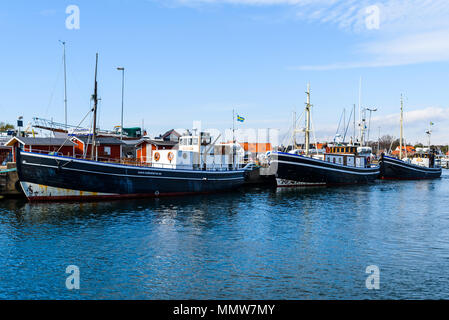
<point x="192" y="60"/>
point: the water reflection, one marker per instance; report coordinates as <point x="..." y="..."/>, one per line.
<point x="252" y="243"/>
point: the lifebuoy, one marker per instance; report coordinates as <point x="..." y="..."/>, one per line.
<point x="170" y="156"/>
<point x="157" y="156"/>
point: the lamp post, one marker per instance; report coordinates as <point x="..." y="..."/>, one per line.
<point x="369" y="122"/>
<point x="123" y="92"/>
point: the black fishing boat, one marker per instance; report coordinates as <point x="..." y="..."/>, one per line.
<point x="45" y="177"/>
<point x="422" y="165"/>
<point x="395" y="169"/>
<point x="189" y="170"/>
<point x="341" y="163"/>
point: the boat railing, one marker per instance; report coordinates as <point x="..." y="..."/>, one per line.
<point x="139" y="163"/>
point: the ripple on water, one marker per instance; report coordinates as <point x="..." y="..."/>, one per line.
<point x="254" y="243"/>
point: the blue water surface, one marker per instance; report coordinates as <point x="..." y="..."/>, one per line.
<point x="247" y="244"/>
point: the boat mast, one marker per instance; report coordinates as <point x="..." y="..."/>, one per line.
<point x="65" y="84"/>
<point x="354" y="135"/>
<point x="294" y="130"/>
<point x="402" y="129"/>
<point x="233" y="136"/>
<point x="360" y="112"/>
<point x="95" y="98"/>
<point x="308" y="120"/>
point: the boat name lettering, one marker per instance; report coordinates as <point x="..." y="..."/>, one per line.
<point x="150" y="173"/>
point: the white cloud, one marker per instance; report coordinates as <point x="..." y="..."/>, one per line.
<point x="395" y="14"/>
<point x="415" y="117"/>
<point x="410" y="32"/>
<point x="416" y="122"/>
<point x="402" y="50"/>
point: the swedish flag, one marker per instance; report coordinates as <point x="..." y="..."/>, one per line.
<point x="240" y="119"/>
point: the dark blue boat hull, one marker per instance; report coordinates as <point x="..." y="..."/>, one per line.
<point x="395" y="169"/>
<point x="62" y="178"/>
<point x="308" y="170"/>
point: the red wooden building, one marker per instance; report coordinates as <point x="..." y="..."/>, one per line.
<point x="42" y="145"/>
<point x="108" y="148"/>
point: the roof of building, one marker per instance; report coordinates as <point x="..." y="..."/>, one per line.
<point x="100" y="140"/>
<point x="41" y="141"/>
<point x="169" y="132"/>
<point x="132" y="142"/>
<point x="157" y="142"/>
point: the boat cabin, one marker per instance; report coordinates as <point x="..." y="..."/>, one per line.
<point x="146" y="148"/>
<point x="351" y="156"/>
<point x="197" y="152"/>
<point x="424" y="157"/>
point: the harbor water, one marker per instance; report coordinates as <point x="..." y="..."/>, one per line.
<point x="257" y="243"/>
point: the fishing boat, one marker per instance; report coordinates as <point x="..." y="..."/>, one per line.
<point x="198" y="166"/>
<point x="341" y="163"/>
<point x="422" y="165"/>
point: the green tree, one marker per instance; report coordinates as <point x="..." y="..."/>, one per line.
<point x="6" y="126"/>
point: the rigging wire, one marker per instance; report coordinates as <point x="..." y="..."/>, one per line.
<point x="53" y="92"/>
<point x="347" y="127"/>
<point x="288" y="137"/>
<point x="339" y="123"/>
<point x="313" y="131"/>
<point x="68" y="137"/>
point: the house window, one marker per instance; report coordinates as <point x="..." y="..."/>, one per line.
<point x="107" y="151"/>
